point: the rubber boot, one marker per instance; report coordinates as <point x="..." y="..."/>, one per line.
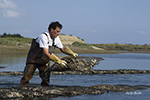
<point x="44" y="72"/>
<point x="28" y="74"/>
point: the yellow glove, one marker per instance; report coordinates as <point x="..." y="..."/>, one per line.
<point x="54" y="58"/>
<point x="68" y="51"/>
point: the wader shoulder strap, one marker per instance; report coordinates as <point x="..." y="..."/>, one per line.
<point x="48" y="40"/>
<point x="47" y="37"/>
<point x="53" y="42"/>
<point x="52" y="39"/>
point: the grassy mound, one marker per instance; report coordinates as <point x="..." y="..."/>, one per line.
<point x="127" y="47"/>
<point x="82" y="45"/>
<point x="14" y="41"/>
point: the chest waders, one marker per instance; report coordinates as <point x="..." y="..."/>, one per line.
<point x="37" y="59"/>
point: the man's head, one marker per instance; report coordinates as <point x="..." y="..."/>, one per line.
<point x="54" y="29"/>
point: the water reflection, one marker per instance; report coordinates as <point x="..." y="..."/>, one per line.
<point x="122" y="61"/>
<point x="111" y="61"/>
<point x="12" y="62"/>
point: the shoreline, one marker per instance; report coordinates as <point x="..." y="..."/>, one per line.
<point x="21" y="45"/>
<point x="13" y="50"/>
<point x="24" y="50"/>
<point x="92" y="72"/>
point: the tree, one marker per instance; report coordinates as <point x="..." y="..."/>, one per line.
<point x="11" y="35"/>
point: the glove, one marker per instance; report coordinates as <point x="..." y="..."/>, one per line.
<point x="75" y="55"/>
<point x="55" y="59"/>
<point x="68" y="51"/>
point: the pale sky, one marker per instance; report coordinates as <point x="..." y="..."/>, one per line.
<point x="95" y="21"/>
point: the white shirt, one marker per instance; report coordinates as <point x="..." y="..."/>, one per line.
<point x="45" y="41"/>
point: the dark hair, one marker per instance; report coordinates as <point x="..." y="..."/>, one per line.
<point x="54" y="25"/>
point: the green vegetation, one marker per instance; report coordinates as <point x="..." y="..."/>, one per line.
<point x="63" y="34"/>
<point x="126" y="47"/>
<point x="80" y="39"/>
<point x="17" y="43"/>
<point x="11" y="35"/>
<point x="14" y="39"/>
<point x="82" y="45"/>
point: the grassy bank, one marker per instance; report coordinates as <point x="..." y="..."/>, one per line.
<point x="12" y="45"/>
<point x="17" y="45"/>
<point x="124" y="47"/>
<point x="13" y="41"/>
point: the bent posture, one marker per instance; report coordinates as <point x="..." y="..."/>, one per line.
<point x="41" y="52"/>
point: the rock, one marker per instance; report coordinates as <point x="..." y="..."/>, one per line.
<point x="75" y="64"/>
<point x="2" y="67"/>
<point x="11" y="73"/>
<point x="91" y="72"/>
<point x="55" y="91"/>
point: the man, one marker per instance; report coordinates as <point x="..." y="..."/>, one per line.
<point x="41" y="52"/>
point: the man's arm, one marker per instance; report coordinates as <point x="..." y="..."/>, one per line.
<point x="45" y="50"/>
<point x="68" y="51"/>
<point x="54" y="58"/>
<point x="62" y="49"/>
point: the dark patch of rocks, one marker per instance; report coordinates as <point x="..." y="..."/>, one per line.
<point x="56" y="91"/>
<point x="2" y="67"/>
<point x="77" y="64"/>
<point x="91" y="72"/>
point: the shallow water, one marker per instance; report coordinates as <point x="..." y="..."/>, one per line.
<point x="137" y="95"/>
<point x="123" y="61"/>
<point x="111" y="61"/>
<point x="83" y="80"/>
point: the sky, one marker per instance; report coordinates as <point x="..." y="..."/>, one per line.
<point x="95" y="21"/>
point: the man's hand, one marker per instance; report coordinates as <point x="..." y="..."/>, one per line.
<point x="54" y="58"/>
<point x="75" y="55"/>
<point x="62" y="63"/>
<point x="68" y="51"/>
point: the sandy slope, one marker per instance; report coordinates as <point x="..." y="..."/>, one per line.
<point x="68" y="40"/>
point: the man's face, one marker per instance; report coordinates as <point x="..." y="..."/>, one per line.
<point x="55" y="33"/>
